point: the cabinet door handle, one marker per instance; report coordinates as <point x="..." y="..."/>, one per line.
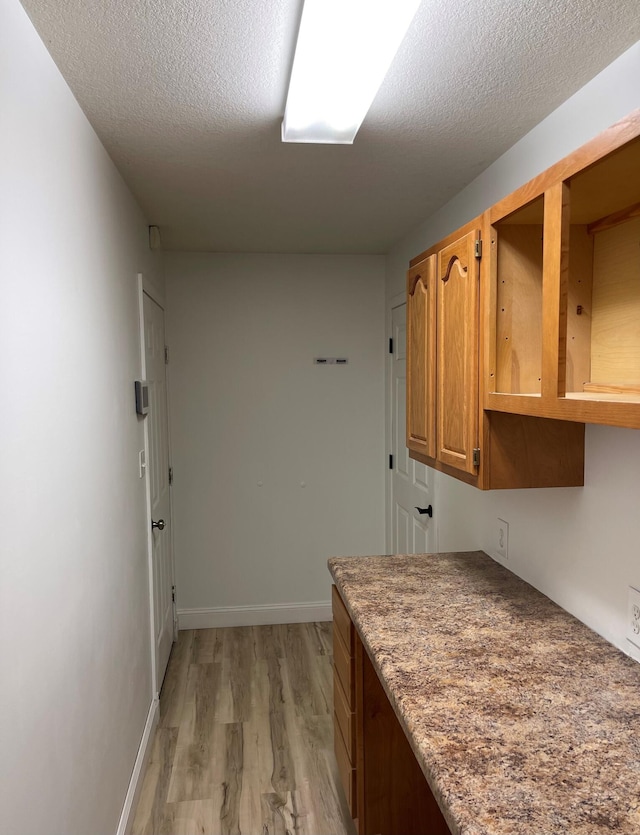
<point x="427" y="510"/>
<point x="461" y="269"/>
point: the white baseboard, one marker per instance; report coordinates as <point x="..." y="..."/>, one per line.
<point x="135" y="784"/>
<point x="254" y="615"/>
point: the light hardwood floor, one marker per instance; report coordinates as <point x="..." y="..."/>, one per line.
<point x="245" y="740"/>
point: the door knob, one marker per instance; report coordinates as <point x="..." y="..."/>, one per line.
<point x="159" y="524"/>
<point x="427" y="510"/>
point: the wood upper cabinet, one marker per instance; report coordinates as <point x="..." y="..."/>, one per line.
<point x="447" y="426"/>
<point x="551" y="315"/>
<point x="457" y="353"/>
<point x="421" y="350"/>
<point x="442" y="355"/>
<point x="563" y="303"/>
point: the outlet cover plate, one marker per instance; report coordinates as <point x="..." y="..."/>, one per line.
<point x="502" y="539"/>
<point x="633" y="617"/>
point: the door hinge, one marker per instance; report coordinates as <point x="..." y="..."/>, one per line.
<point x="391" y="462"/>
<point x="166" y="355"/>
<point x="170" y="476"/>
<point x="478" y="249"/>
<point x="173" y="594"/>
<point x="476" y="457"/>
<point x="390" y="345"/>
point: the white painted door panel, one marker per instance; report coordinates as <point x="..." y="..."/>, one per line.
<point x="159" y="490"/>
<point x="412" y="533"/>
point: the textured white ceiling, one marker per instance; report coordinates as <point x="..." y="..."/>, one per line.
<point x="188" y="97"/>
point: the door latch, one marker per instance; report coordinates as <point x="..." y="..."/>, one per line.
<point x="425" y="510"/>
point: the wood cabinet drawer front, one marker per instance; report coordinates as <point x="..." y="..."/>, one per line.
<point x="344" y="718"/>
<point x="343" y="668"/>
<point x="341" y="620"/>
<point x="347" y="773"/>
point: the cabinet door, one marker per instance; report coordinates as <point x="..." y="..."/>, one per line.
<point x="457" y="364"/>
<point x="421" y="369"/>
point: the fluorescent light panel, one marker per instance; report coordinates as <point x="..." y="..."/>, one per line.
<point x="344" y="50"/>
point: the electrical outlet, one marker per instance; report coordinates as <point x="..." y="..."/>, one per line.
<point x="502" y="539"/>
<point x="633" y="617"/>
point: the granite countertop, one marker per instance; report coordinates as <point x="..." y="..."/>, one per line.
<point x="522" y="719"/>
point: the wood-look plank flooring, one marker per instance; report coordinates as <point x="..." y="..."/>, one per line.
<point x="244" y="744"/>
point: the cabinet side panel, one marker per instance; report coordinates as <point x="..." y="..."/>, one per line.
<point x="519" y="309"/>
<point x="579" y="308"/>
<point x="615" y="353"/>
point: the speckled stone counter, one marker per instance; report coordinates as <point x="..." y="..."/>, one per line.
<point x="522" y="719"/>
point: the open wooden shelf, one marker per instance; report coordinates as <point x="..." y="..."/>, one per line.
<point x="563" y="298"/>
<point x="517" y="244"/>
<point x="559" y="324"/>
<point x="604" y="396"/>
<point x="602" y="208"/>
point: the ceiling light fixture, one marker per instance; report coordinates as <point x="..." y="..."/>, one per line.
<point x="344" y="50"/>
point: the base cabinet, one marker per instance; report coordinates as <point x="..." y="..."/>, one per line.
<point x="384" y="786"/>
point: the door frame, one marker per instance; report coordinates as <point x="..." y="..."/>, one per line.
<point x="393" y="302"/>
<point x="146" y="287"/>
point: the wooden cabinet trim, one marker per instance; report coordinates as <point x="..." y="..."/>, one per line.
<point x="343" y="667"/>
<point x="578" y="410"/>
<point x="488" y="303"/>
<point x="554" y="290"/>
<point x="342" y="620"/>
<point x="344" y="714"/>
<point x="448" y="239"/>
<point x="609" y="140"/>
<point x="421" y="342"/>
<point x="346" y="771"/>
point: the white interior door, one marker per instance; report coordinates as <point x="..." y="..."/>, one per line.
<point x="159" y="489"/>
<point x="412" y="532"/>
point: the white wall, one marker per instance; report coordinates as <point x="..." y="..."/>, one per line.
<point x="74" y="620"/>
<point x="249" y="406"/>
<point x="581" y="546"/>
